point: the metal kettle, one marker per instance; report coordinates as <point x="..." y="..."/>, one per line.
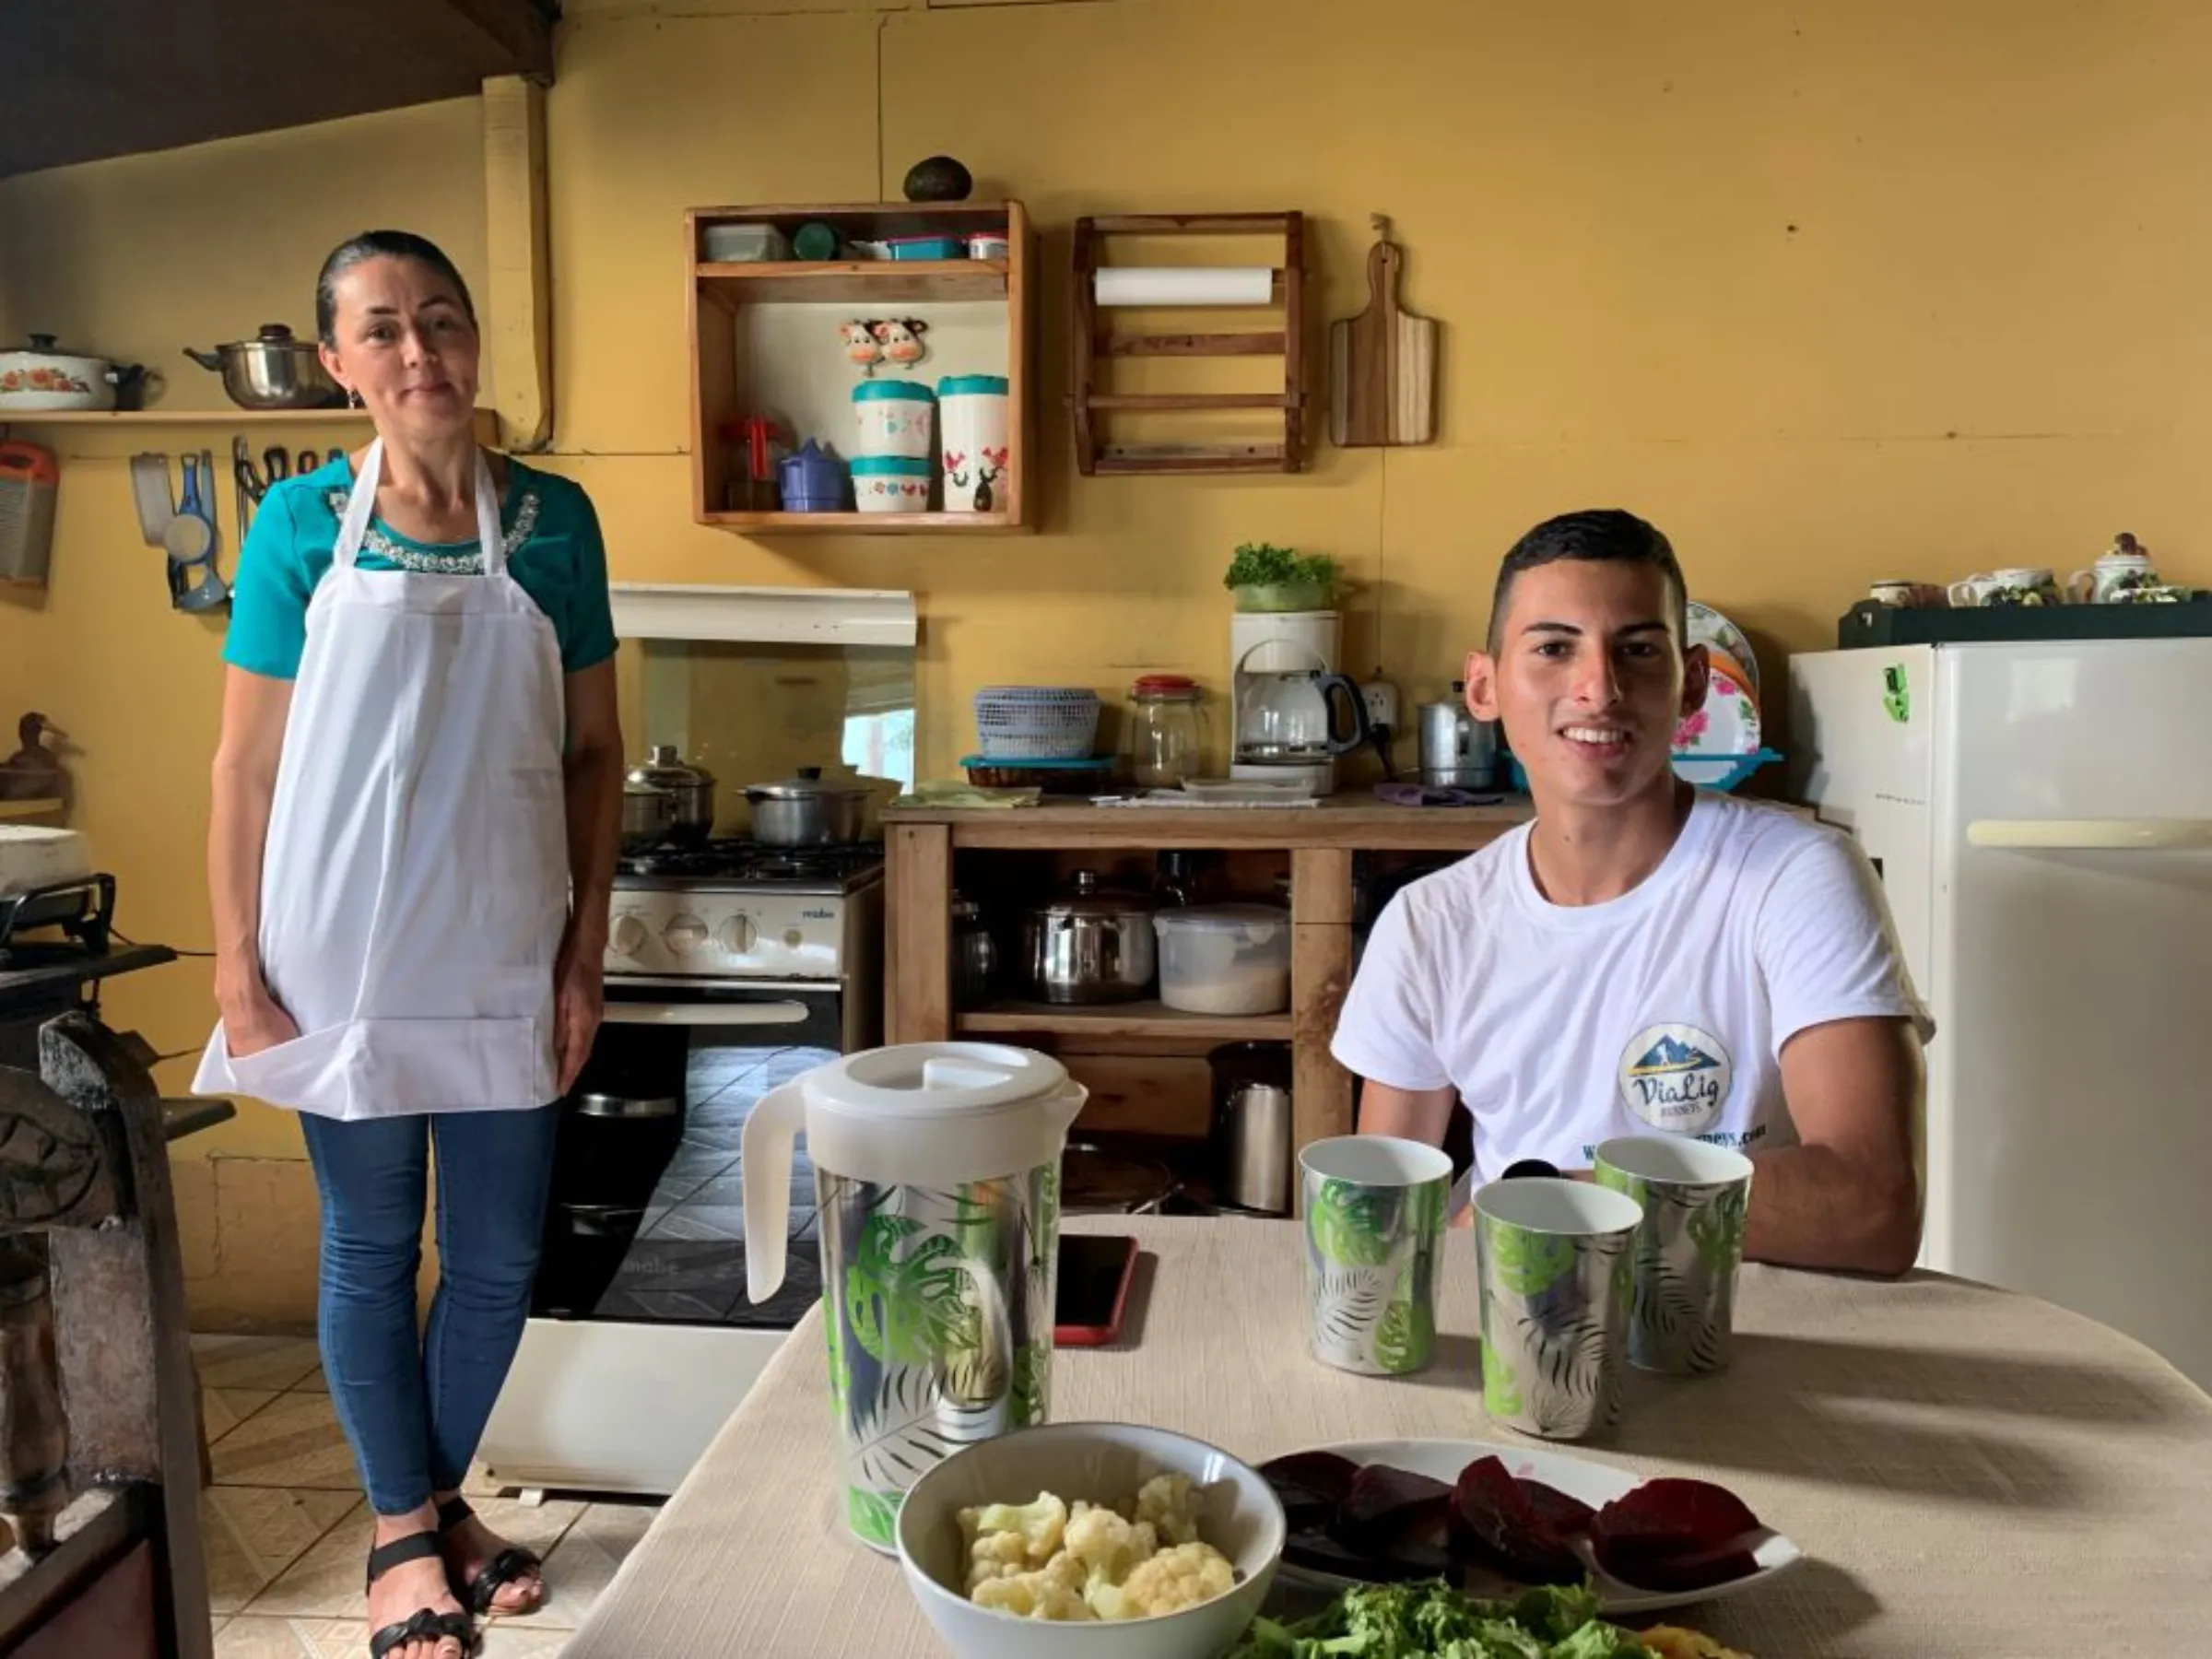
<point x="1458" y="751"/>
<point x="1251" y="1130"/>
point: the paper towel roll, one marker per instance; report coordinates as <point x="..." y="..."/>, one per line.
<point x="1185" y="284"/>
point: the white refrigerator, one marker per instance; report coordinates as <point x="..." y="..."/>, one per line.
<point x="2041" y="818"/>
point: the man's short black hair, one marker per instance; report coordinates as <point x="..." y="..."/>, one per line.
<point x="1603" y="534"/>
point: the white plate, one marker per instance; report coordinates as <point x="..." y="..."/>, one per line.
<point x="1727" y="723"/>
<point x="1708" y="627"/>
<point x="1595" y="1484"/>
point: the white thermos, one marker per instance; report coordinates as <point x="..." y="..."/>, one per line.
<point x="1458" y="751"/>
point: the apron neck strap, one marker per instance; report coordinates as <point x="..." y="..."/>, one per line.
<point x="361" y="507"/>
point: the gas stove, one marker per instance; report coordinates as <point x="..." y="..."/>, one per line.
<point x="735" y="912"/>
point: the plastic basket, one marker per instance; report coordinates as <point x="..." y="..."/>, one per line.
<point x="1036" y="722"/>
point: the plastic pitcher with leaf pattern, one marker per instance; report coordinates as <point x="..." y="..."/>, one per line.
<point x="937" y="1180"/>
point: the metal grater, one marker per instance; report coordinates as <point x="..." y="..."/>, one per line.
<point x="29" y="484"/>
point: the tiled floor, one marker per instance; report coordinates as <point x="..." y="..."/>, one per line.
<point x="287" y="1530"/>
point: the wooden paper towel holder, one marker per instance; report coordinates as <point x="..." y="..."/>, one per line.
<point x="1089" y="404"/>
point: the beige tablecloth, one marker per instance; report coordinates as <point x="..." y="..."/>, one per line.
<point x="1971" y="1472"/>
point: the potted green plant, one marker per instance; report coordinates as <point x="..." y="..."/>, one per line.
<point x="1263" y="577"/>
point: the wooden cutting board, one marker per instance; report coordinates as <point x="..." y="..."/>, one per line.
<point x="1383" y="362"/>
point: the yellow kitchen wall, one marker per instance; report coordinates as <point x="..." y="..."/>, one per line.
<point x="1832" y="294"/>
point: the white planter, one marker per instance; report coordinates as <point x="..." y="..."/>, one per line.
<point x="976" y="454"/>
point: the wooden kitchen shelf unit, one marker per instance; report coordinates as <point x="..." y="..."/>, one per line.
<point x="1143" y="1049"/>
<point x="1144" y="1019"/>
<point x="721" y="292"/>
<point x="1096" y="343"/>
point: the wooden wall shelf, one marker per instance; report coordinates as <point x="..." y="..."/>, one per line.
<point x="1096" y="345"/>
<point x="726" y="314"/>
<point x="1124" y="1019"/>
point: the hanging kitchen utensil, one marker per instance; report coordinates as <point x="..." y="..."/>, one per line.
<point x="151" y="491"/>
<point x="308" y="462"/>
<point x="245" y="484"/>
<point x="1382" y="363"/>
<point x="193" y="585"/>
<point x="275" y="464"/>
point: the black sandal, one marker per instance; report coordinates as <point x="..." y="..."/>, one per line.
<point x="423" y="1624"/>
<point x="506" y="1567"/>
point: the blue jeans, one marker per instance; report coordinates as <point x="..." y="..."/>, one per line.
<point x="415" y="1407"/>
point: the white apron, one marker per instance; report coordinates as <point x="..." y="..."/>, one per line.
<point x="415" y="883"/>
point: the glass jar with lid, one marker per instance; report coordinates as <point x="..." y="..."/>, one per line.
<point x="1166" y="731"/>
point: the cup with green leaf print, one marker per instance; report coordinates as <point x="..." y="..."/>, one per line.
<point x="1694" y="1196"/>
<point x="1374" y="1251"/>
<point x="1554" y="1259"/>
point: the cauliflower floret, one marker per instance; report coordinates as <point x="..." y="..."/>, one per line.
<point x="1177" y="1578"/>
<point x="994" y="1555"/>
<point x="1040" y="1525"/>
<point x="1039" y="1594"/>
<point x="1107" y="1544"/>
<point x="1166" y="1502"/>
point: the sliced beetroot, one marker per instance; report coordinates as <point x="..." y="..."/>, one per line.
<point x="1672" y="1517"/>
<point x="1396" y="1515"/>
<point x="1496" y="1524"/>
<point x="1311" y="1483"/>
<point x="1565" y="1517"/>
<point x="1318" y="1552"/>
<point x="1687" y="1569"/>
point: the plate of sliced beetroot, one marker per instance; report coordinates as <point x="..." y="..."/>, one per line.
<point x="1491" y="1518"/>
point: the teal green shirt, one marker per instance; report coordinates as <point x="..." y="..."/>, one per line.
<point x="554" y="552"/>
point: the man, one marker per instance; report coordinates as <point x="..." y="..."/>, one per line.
<point x="1645" y="958"/>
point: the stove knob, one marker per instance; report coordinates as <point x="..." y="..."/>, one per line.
<point x="684" y="934"/>
<point x="794" y="937"/>
<point x="736" y="935"/>
<point x="628" y="937"/>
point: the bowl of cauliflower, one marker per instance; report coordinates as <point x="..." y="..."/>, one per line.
<point x="1103" y="1540"/>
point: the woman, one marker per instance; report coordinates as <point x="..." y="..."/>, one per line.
<point x="411" y="849"/>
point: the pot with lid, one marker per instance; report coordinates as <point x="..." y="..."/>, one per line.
<point x="937" y="1173"/>
<point x="1090" y="944"/>
<point x="809" y="810"/>
<point x="38" y="377"/>
<point x="272" y="370"/>
<point x="691" y="813"/>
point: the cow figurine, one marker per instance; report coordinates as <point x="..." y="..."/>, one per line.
<point x="901" y="340"/>
<point x="861" y="346"/>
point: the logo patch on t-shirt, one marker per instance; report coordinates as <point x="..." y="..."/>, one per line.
<point x="1676" y="1078"/>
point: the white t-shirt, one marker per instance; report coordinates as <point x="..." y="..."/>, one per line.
<point x="1667" y="1008"/>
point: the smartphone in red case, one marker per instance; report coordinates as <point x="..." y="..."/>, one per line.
<point x="1093" y="1295"/>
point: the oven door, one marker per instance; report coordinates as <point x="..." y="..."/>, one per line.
<point x="647" y="1218"/>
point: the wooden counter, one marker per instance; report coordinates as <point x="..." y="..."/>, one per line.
<point x="1132" y="1044"/>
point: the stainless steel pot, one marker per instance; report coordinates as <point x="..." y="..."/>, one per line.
<point x="1458" y="751"/>
<point x="272" y="371"/>
<point x="1091" y="945"/>
<point x="809" y="810"/>
<point x="692" y="788"/>
<point x="648" y="815"/>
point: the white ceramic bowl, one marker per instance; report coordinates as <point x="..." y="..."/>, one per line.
<point x="1241" y="1516"/>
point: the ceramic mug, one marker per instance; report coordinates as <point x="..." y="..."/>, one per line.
<point x="1972" y="590"/>
<point x="1898" y="595"/>
<point x="2112" y="579"/>
<point x="2014" y="584"/>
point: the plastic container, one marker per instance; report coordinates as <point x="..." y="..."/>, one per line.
<point x="890" y="484"/>
<point x="972" y="417"/>
<point x="744" y="244"/>
<point x="1089" y="776"/>
<point x="988" y="244"/>
<point x="1225" y="958"/>
<point x="894" y="417"/>
<point x="812" y="481"/>
<point x="925" y="247"/>
<point x="1036" y="722"/>
<point x="1166" y="730"/>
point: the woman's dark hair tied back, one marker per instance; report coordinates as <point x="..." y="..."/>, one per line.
<point x="380" y="244"/>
